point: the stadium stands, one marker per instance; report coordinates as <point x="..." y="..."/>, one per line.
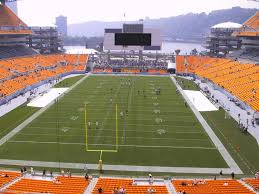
<point x="223" y="72"/>
<point x="11" y="24"/>
<point x="17" y="51"/>
<point x="249" y="34"/>
<point x="211" y="187"/>
<point x="254" y="183"/>
<point x="6" y="177"/>
<point x="131" y="67"/>
<point x="64" y="185"/>
<point x="19" y="73"/>
<point x="253" y="21"/>
<point x="109" y="184"/>
<point x="14" y="182"/>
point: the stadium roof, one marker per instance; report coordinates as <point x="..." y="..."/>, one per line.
<point x="227" y="25"/>
<point x="10" y="24"/>
<point x="252" y="22"/>
<point x="8" y="18"/>
<point x="250" y="27"/>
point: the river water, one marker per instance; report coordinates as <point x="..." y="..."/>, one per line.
<point x="167" y="47"/>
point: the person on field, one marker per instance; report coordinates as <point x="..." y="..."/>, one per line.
<point x="233" y="175"/>
<point x="44" y="172"/>
<point x="150" y="179"/>
<point x="32" y="171"/>
<point x="86" y="176"/>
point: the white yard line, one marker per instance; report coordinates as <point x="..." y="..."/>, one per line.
<point x="128" y="137"/>
<point x="223" y="151"/>
<point x="136" y="125"/>
<point x="128" y="130"/>
<point x="112" y="145"/>
<point x="106" y="167"/>
<point x="35" y="115"/>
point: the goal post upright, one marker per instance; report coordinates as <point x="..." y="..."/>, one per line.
<point x="86" y="130"/>
<point x="117" y="133"/>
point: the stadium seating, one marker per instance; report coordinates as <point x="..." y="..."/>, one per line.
<point x="223" y="72"/>
<point x="19" y="73"/>
<point x="155" y="71"/>
<point x="11" y="23"/>
<point x="76" y="184"/>
<point x="131" y="66"/>
<point x="253" y="183"/>
<point x="101" y="70"/>
<point x="108" y="185"/>
<point x="6" y="177"/>
<point x="211" y="187"/>
<point x="250" y="27"/>
<point x="64" y="185"/>
<point x="125" y="70"/>
<point x="17" y="51"/>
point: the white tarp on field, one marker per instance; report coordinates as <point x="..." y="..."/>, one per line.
<point x="45" y="99"/>
<point x="200" y="101"/>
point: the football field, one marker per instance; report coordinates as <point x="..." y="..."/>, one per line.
<point x="135" y="120"/>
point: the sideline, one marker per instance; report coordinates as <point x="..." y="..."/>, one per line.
<point x="223" y="151"/>
<point x="127" y="168"/>
<point x="36" y="114"/>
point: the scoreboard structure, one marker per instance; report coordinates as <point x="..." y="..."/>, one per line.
<point x="132" y="37"/>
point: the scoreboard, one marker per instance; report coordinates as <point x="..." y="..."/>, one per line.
<point x="132" y="37"/>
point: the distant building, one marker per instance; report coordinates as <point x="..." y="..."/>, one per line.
<point x="45" y="40"/>
<point x="13" y="6"/>
<point x="61" y="22"/>
<point x="220" y="41"/>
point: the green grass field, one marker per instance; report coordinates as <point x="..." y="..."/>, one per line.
<point x="12" y="119"/>
<point x="230" y="135"/>
<point x="158" y="129"/>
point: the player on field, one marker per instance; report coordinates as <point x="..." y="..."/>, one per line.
<point x="121" y="114"/>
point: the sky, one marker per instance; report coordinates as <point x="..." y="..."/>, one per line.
<point x="43" y="12"/>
